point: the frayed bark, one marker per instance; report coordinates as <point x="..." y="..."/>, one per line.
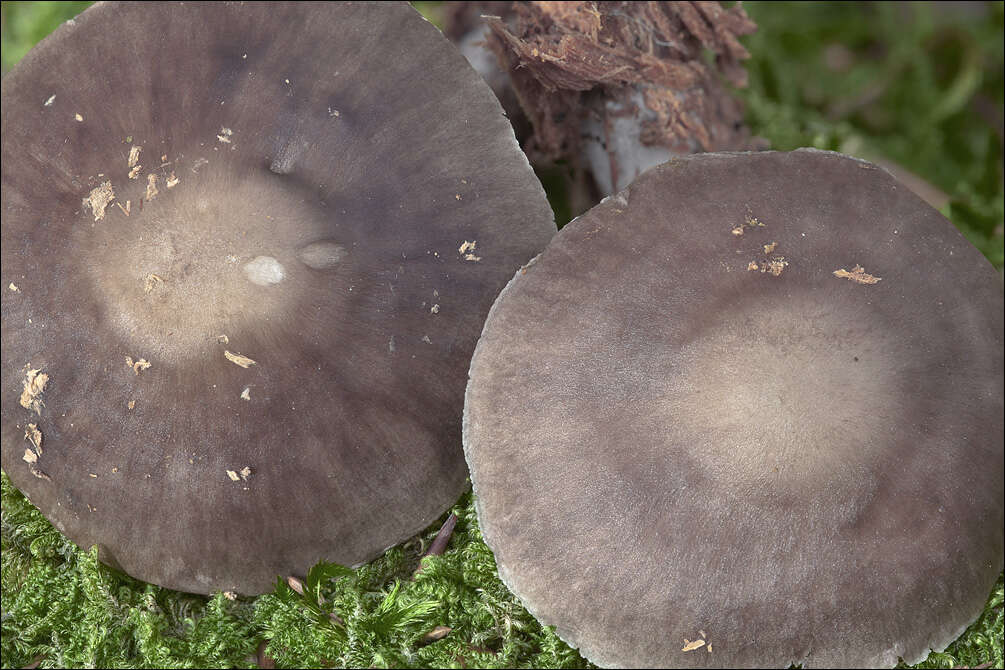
<point x="616" y="87"/>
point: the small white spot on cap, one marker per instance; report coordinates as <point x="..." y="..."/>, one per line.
<point x="264" y="270"/>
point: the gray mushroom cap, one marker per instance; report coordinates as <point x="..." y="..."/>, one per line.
<point x="747" y="412"/>
<point x="247" y="253"/>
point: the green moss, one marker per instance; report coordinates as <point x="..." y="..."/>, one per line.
<point x="61" y="606"/>
<point x="64" y="608"/>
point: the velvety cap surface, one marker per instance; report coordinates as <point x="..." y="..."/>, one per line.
<point x="747" y="412"/>
<point x="247" y="252"/>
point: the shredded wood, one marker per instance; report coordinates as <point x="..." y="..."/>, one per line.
<point x="38" y="473"/>
<point x="134" y="155"/>
<point x="134" y="172"/>
<point x="29" y="456"/>
<point x="750" y="222"/>
<point x="99" y="199"/>
<point x="467" y="250"/>
<point x="34" y="385"/>
<point x="768" y="248"/>
<point x="141" y="364"/>
<point x="52" y="99"/>
<point x="150" y="281"/>
<point x="691" y="646"/>
<point x="126" y="209"/>
<point x="569" y="60"/>
<point x="34" y="436"/>
<point x="775" y="266"/>
<point x="241" y="475"/>
<point x="857" y="275"/>
<point x="152" y="187"/>
<point x="238" y="359"/>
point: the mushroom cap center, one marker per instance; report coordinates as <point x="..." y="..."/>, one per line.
<point x="776" y="390"/>
<point x="214" y="258"/>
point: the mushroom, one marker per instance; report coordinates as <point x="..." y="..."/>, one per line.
<point x="228" y="224"/>
<point x="754" y="400"/>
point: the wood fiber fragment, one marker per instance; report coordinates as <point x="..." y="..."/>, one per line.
<point x="238" y="359"/>
<point x="559" y="54"/>
<point x="34" y="436"/>
<point x="99" y="199"/>
<point x="138" y="365"/>
<point x="34" y="385"/>
<point x="857" y="275"/>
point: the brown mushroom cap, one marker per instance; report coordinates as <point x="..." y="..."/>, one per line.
<point x="747" y="412"/>
<point x="254" y="356"/>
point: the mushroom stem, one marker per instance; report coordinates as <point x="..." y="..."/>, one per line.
<point x="262" y="656"/>
<point x="441" y="540"/>
<point x="439" y="544"/>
